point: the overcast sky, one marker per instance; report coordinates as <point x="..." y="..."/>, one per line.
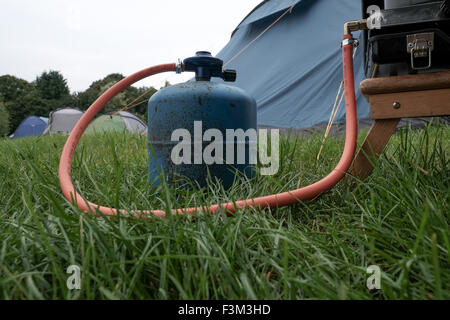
<point x="88" y="39"/>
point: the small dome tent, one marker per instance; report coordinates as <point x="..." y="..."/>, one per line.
<point x="117" y="121"/>
<point x="63" y="120"/>
<point x="31" y="126"/>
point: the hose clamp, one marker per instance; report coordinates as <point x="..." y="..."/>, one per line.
<point x="351" y="41"/>
<point x="179" y="66"/>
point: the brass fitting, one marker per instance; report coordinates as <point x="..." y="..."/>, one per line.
<point x="355" y="25"/>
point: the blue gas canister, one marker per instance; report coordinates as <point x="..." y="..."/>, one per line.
<point x="202" y="128"/>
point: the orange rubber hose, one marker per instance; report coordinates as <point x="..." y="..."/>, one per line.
<point x="272" y="201"/>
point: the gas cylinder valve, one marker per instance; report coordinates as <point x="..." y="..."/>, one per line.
<point x="206" y="66"/>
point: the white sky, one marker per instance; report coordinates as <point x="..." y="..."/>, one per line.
<point x="88" y="39"/>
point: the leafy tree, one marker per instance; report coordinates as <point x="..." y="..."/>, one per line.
<point x="68" y="101"/>
<point x="4" y="120"/>
<point x="26" y="105"/>
<point x="137" y="92"/>
<point x="12" y="87"/>
<point x="98" y="87"/>
<point x="50" y="91"/>
<point x="52" y="85"/>
<point x="22" y="99"/>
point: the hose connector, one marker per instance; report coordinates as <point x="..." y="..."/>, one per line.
<point x="179" y="66"/>
<point x="355" y="25"/>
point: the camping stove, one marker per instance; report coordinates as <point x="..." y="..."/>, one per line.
<point x="409" y="37"/>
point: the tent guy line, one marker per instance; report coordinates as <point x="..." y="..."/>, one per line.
<point x="258" y="36"/>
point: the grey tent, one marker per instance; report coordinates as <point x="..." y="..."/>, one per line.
<point x="63" y="120"/>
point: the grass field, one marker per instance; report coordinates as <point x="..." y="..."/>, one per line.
<point x="398" y="220"/>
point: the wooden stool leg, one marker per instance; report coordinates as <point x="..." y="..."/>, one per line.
<point x="377" y="138"/>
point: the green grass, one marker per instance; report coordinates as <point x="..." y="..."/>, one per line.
<point x="398" y="219"/>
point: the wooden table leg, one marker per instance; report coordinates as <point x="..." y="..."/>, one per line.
<point x="377" y="138"/>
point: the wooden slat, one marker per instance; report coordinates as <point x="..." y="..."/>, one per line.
<point x="377" y="138"/>
<point x="428" y="103"/>
<point x="423" y="95"/>
<point x="416" y="82"/>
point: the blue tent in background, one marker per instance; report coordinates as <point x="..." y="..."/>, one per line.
<point x="294" y="69"/>
<point x="31" y="126"/>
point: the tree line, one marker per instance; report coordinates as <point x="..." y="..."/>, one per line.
<point x="49" y="91"/>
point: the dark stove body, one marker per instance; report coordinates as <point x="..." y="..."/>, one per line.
<point x="409" y="37"/>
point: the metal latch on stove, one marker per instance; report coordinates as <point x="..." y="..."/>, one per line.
<point x="420" y="46"/>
